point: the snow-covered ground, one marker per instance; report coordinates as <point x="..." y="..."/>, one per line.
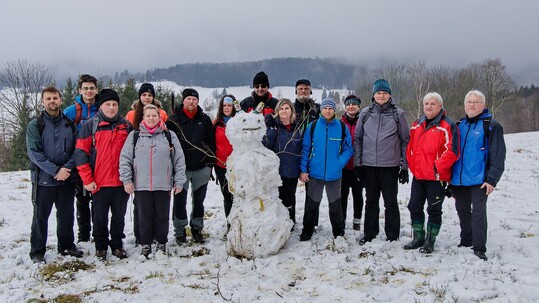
<point x="316" y="271"/>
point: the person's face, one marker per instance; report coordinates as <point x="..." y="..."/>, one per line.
<point x="285" y="113"/>
<point x="473" y="106"/>
<point x="88" y="90"/>
<point x="190" y="103"/>
<point x="51" y="101"/>
<point x="431" y="108"/>
<point x="352" y="109"/>
<point x="227" y="109"/>
<point x="151" y="117"/>
<point x="328" y="113"/>
<point x="109" y="108"/>
<point x="381" y="97"/>
<point x="261" y="89"/>
<point x="303" y="92"/>
<point x="146" y="98"/>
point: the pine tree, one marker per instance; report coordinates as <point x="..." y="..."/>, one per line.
<point x="69" y="93"/>
<point x="128" y="94"/>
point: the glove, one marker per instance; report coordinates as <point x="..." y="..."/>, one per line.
<point x="403" y="176"/>
<point x="358" y="172"/>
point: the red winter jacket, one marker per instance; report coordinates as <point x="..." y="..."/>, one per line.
<point x="223" y="148"/>
<point x="433" y="148"/>
<point x="100" y="163"/>
<point x="351" y="124"/>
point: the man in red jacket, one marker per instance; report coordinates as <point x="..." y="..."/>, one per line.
<point x="97" y="158"/>
<point x="431" y="152"/>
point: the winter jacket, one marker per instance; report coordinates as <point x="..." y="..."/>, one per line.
<point x="323" y="156"/>
<point x="482" y="156"/>
<point x="88" y="111"/>
<point x="223" y="148"/>
<point x="153" y="166"/>
<point x="51" y="150"/>
<point x="99" y="162"/>
<point x="130" y="116"/>
<point x="250" y="103"/>
<point x="306" y="112"/>
<point x="198" y="132"/>
<point x="286" y="144"/>
<point x="433" y="148"/>
<point x="381" y="140"/>
<point x="351" y="125"/>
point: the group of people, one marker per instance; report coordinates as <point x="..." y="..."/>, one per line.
<point x="91" y="152"/>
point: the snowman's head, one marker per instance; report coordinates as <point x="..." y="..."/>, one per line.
<point x="245" y="129"/>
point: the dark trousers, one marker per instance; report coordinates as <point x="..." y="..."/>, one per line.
<point x="312" y="205"/>
<point x="228" y="198"/>
<point x="84" y="210"/>
<point x="287" y="194"/>
<point x="115" y="200"/>
<point x="471" y="204"/>
<point x="385" y="180"/>
<point x="434" y="193"/>
<point x="136" y="230"/>
<point x="62" y="197"/>
<point x="197" y="214"/>
<point x="317" y="214"/>
<point x="153" y="215"/>
<point x="349" y="181"/>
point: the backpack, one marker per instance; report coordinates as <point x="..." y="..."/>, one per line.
<point x="343" y="134"/>
<point x="393" y="111"/>
<point x="486" y="129"/>
<point x="136" y="135"/>
<point x="41" y="124"/>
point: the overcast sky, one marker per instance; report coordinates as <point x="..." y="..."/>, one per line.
<point x="101" y="37"/>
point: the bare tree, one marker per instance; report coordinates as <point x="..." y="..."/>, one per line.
<point x="497" y="84"/>
<point x="421" y="80"/>
<point x="22" y="82"/>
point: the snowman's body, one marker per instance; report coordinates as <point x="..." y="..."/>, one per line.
<point x="259" y="223"/>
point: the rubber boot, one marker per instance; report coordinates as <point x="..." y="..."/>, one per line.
<point x="432" y="232"/>
<point x="418" y="236"/>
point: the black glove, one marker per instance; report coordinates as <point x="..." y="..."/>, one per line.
<point x="403" y="176"/>
<point x="358" y="172"/>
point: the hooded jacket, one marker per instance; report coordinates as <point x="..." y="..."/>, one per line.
<point x="433" y="148"/>
<point x="152" y="164"/>
<point x="379" y="140"/>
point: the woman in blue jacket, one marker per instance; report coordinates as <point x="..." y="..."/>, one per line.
<point x="285" y="140"/>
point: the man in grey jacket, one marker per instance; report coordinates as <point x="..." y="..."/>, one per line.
<point x="380" y="141"/>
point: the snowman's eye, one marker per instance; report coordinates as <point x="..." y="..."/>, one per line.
<point x="244" y="120"/>
<point x="258" y="120"/>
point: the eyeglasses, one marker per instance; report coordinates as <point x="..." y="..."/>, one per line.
<point x="472" y="102"/>
<point x="88" y="88"/>
<point x="258" y="86"/>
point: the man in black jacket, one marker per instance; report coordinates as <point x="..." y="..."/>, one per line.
<point x="195" y="131"/>
<point x="262" y="94"/>
<point x="306" y="109"/>
<point x="50" y="141"/>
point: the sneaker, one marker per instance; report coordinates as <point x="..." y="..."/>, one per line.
<point x="120" y="253"/>
<point x="197" y="236"/>
<point x="101" y="254"/>
<point x="182" y="239"/>
<point x="40" y="259"/>
<point x="146" y="250"/>
<point x="74" y="252"/>
<point x="161" y="247"/>
<point x="480" y="254"/>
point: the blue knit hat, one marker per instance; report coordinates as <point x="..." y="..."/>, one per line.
<point x="328" y="102"/>
<point x="381" y="85"/>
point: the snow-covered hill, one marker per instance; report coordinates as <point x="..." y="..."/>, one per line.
<point x="315" y="271"/>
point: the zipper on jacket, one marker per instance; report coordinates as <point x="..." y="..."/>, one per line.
<point x="378" y="133"/>
<point x="462" y="153"/>
<point x="326" y="153"/>
<point x="151" y="167"/>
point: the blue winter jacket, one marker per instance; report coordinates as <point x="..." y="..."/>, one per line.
<point x="482" y="159"/>
<point x="286" y="144"/>
<point x="323" y="156"/>
<point x="88" y="111"/>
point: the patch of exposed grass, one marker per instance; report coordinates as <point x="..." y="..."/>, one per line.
<point x="154" y="274"/>
<point x="67" y="299"/>
<point x="2" y="222"/>
<point x="63" y="271"/>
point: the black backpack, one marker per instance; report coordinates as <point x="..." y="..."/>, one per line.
<point x="486" y="129"/>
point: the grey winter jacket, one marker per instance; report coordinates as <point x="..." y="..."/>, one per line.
<point x="151" y="167"/>
<point x="380" y="141"/>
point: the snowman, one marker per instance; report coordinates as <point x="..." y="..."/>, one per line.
<point x="259" y="223"/>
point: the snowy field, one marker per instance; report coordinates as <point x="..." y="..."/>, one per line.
<point x="316" y="271"/>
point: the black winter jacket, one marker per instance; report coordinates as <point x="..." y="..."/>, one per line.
<point x="197" y="131"/>
<point x="250" y="103"/>
<point x="306" y="112"/>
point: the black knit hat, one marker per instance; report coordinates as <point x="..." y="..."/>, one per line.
<point x="146" y="88"/>
<point x="353" y="100"/>
<point x="107" y="94"/>
<point x="261" y="78"/>
<point x="189" y="92"/>
<point x="303" y="81"/>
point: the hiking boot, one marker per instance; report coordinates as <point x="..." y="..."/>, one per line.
<point x="161" y="247"/>
<point x="40" y="259"/>
<point x="480" y="254"/>
<point x="146" y="250"/>
<point x="363" y="240"/>
<point x="197" y="236"/>
<point x="74" y="252"/>
<point x="418" y="238"/>
<point x="305" y="236"/>
<point x="182" y="239"/>
<point x="101" y="254"/>
<point x="120" y="253"/>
